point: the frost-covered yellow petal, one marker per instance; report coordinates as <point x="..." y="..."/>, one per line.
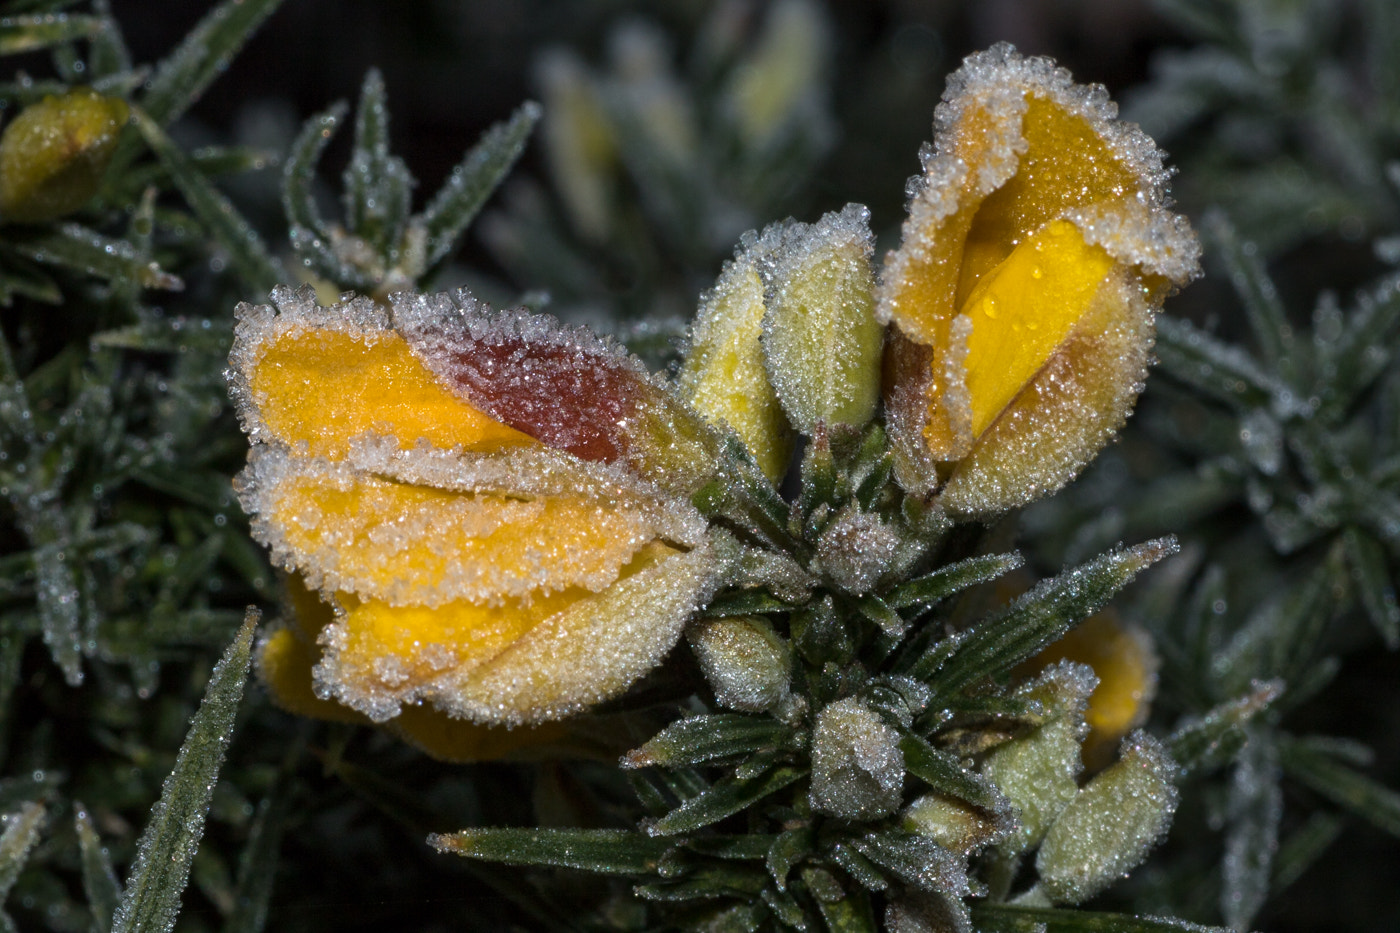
<point x="517" y="662"/>
<point x="1065" y="415"/>
<point x="1036" y="210"/>
<point x="384" y="539"/>
<point x="284" y="664"/>
<point x="317" y="378"/>
<point x="1023" y="309"/>
<point x="724" y="377"/>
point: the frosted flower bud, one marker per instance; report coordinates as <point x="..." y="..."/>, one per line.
<point x="953" y="824"/>
<point x="1039" y="772"/>
<point x="1107" y="830"/>
<point x="1037" y="249"/>
<point x="857" y="765"/>
<point x="856" y="548"/>
<point x="484" y="569"/>
<point x="747" y="664"/>
<point x="821" y="340"/>
<point x="54" y="153"/>
<point x="724" y="376"/>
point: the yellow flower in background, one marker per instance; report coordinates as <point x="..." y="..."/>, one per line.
<point x="1038" y="247"/>
<point x="463" y="487"/>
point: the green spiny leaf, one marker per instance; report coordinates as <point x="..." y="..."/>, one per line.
<point x="309" y="233"/>
<point x="202" y="56"/>
<point x="473" y="180"/>
<point x="1311" y="763"/>
<point x="945" y="581"/>
<point x="916" y="860"/>
<point x="705" y="738"/>
<point x="726" y="797"/>
<point x="1267" y="318"/>
<point x="1008" y="918"/>
<point x="152" y="897"/>
<point x="247" y="252"/>
<point x="944" y="773"/>
<point x="28" y="33"/>
<point x="1375" y="584"/>
<point x="611" y="851"/>
<point x="1044" y="614"/>
<point x="377" y="185"/>
<point x="104" y="892"/>
<point x="843" y="912"/>
<point x="1300" y="850"/>
<point x="1216" y="369"/>
<point x="21" y="832"/>
<point x="258" y="865"/>
<point x="76" y="247"/>
<point x="790" y="848"/>
<point x="1206" y="743"/>
<point x="707" y="883"/>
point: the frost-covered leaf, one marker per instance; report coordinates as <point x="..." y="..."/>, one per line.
<point x="945" y="773"/>
<point x="377" y="185"/>
<point x="1375" y="584"/>
<point x="916" y="860"/>
<point x="247" y="252"/>
<point x="1312" y="763"/>
<point x="104" y="892"/>
<point x="473" y="180"/>
<point x="76" y="247"/>
<point x="705" y="738"/>
<point x="151" y="900"/>
<point x="202" y="56"/>
<point x="310" y="236"/>
<point x="727" y="796"/>
<point x="613" y="851"/>
<point x="1045" y="613"/>
<point x="1268" y="320"/>
<point x="952" y="578"/>
<point x="21" y="832"/>
<point x="1255" y="808"/>
<point x="1217" y="369"/>
<point x="41" y="31"/>
<point x="1204" y="743"/>
<point x="843" y="911"/>
<point x="1011" y="918"/>
<point x="257" y="866"/>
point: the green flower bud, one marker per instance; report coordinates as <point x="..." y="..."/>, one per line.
<point x="746" y="663"/>
<point x="1107" y="829"/>
<point x="820" y="337"/>
<point x="53" y="155"/>
<point x="857" y="765"/>
<point x="1040" y="772"/>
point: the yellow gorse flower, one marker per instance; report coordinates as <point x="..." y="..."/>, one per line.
<point x="1037" y="248"/>
<point x="497" y="518"/>
<point x="473" y="513"/>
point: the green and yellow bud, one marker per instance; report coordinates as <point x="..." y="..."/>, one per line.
<point x="54" y="153"/>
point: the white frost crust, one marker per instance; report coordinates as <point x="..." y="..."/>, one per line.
<point x="581" y="656"/>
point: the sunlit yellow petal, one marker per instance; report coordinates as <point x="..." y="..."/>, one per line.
<point x="1023" y="309"/>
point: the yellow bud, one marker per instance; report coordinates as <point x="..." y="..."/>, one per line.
<point x="54" y="153"/>
<point x="1037" y="249"/>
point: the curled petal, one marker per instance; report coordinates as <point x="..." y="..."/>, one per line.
<point x="563" y="386"/>
<point x="515" y="663"/>
<point x="1038" y="243"/>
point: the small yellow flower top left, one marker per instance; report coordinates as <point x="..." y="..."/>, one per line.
<point x="495" y="506"/>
